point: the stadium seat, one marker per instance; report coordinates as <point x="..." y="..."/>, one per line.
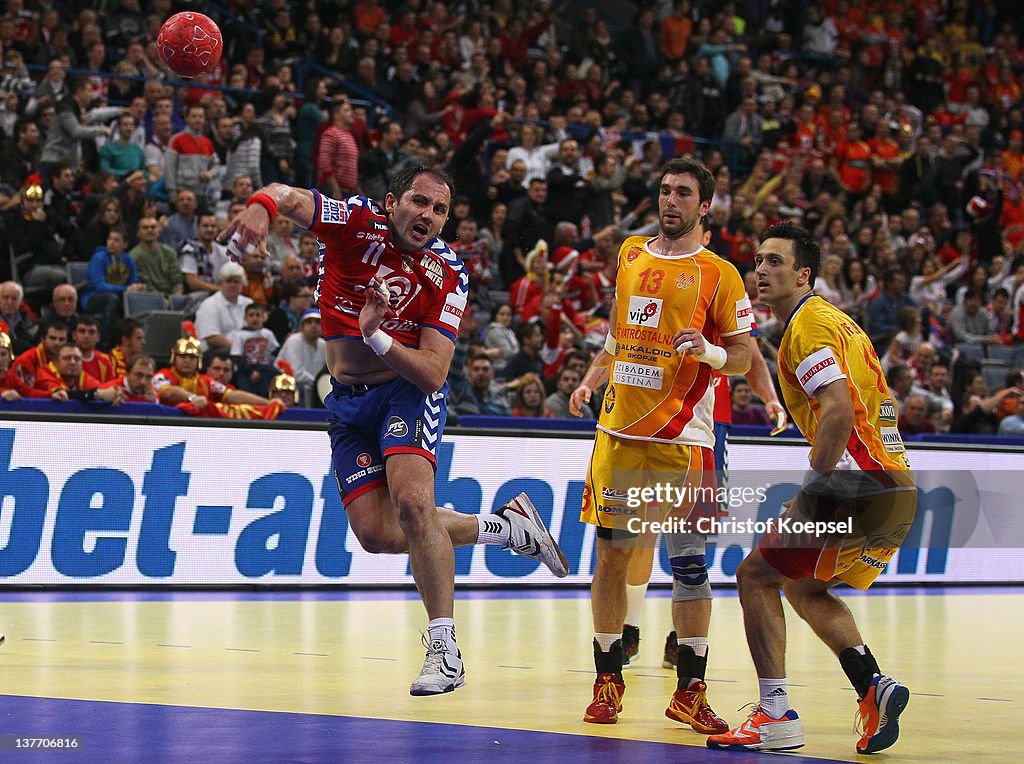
<point x="1007" y="353"/>
<point x="140" y="304"/>
<point x="178" y="301"/>
<point x="163" y="329"/>
<point x="971" y="352"/>
<point x="78" y="275"/>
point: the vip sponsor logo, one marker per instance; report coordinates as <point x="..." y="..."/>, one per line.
<point x="819" y="366"/>
<point x="609" y="399"/>
<point x="364" y="459"/>
<point x="685" y="280"/>
<point x="887" y="412"/>
<point x="638" y="375"/>
<point x="333" y="211"/>
<point x="644" y="311"/>
<point x="891" y="439"/>
<point x="397" y="428"/>
<point x="372" y="470"/>
<point x="433" y="270"/>
<point x="614" y="494"/>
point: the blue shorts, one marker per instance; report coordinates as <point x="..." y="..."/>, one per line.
<point x="368" y="424"/>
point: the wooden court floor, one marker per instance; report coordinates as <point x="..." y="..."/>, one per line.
<point x="191" y="676"/>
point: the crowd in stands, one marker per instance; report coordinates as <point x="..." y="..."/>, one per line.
<point x="891" y="129"/>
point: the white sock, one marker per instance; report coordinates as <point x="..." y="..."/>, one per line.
<point x="493" y="529"/>
<point x="442" y="631"/>
<point x="774" y="698"/>
<point x="699" y="645"/>
<point x="635" y="603"/>
<point x="605" y="641"/>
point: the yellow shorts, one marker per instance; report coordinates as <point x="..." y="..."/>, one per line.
<point x="879" y="524"/>
<point x="677" y="478"/>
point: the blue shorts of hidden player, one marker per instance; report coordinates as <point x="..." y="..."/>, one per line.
<point x="369" y="423"/>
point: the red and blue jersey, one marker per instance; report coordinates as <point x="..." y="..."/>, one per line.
<point x="428" y="287"/>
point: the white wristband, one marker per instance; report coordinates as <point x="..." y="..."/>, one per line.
<point x="610" y="344"/>
<point x="379" y="342"/>
<point x="714" y="356"/>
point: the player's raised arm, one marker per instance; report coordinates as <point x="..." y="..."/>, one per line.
<point x="251" y="226"/>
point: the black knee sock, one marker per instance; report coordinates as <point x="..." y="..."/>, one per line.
<point x="859" y="669"/>
<point x="689" y="666"/>
<point x="609" y="662"/>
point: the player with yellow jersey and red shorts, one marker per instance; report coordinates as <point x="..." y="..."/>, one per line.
<point x="680" y="314"/>
<point x="849" y="518"/>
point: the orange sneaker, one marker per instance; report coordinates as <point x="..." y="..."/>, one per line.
<point x="761" y="732"/>
<point x="878" y="715"/>
<point x="608" y="692"/>
<point x="691" y="707"/>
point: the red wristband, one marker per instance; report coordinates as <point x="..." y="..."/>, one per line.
<point x="266" y="202"/>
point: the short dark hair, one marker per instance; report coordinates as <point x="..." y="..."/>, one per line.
<point x="140" y="358"/>
<point x="404" y="178"/>
<point x="686" y="165"/>
<point x="126" y="327"/>
<point x="52" y="323"/>
<point x="86" y="320"/>
<point x="806" y="252"/>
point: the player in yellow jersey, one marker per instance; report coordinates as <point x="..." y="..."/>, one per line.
<point x="680" y="313"/>
<point x="833" y="384"/>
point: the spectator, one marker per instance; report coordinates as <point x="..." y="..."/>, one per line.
<point x="971" y="325"/>
<point x="224" y="311"/>
<point x="744" y="412"/>
<point x="338" y="153"/>
<point x="558" y="401"/>
<point x="112" y="272"/>
<point x="191" y="162"/>
<point x="70" y="127"/>
<point x="307" y="124"/>
<point x="182" y="224"/>
<point x="977" y="410"/>
<point x="129" y="341"/>
<point x="63" y="305"/>
<point x="85" y="336"/>
<point x="20" y="158"/>
<point x="567" y="188"/>
<point x="914" y="416"/>
<point x="529" y="398"/>
<point x="94" y="234"/>
<point x="475" y="391"/>
<point x="12" y="386"/>
<point x="121" y="156"/>
<point x="500" y="339"/>
<point x="158" y="264"/>
<point x="528" y="360"/>
<point x="202" y="256"/>
<point x="65" y="380"/>
<point x="14" y="320"/>
<point x="254" y="346"/>
<point x="378" y="164"/>
<point x="525" y="226"/>
<point x="281" y="243"/>
<point x="900" y="381"/>
<point x="1011" y="425"/>
<point x="305" y="351"/>
<point x="220" y="366"/>
<point x="259" y="284"/>
<point x="137" y="383"/>
<point x="276" y="125"/>
<point x="884" y="309"/>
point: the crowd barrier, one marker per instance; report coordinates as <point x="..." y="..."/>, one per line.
<point x="171" y="502"/>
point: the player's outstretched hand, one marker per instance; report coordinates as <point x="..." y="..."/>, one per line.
<point x="579" y="396"/>
<point x="246" y="233"/>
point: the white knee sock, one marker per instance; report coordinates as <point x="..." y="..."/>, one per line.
<point x="774" y="698"/>
<point x="442" y="630"/>
<point x="635" y="603"/>
<point x="492" y="529"/>
<point x="605" y="641"/>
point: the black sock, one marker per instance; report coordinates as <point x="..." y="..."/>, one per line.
<point x="689" y="666"/>
<point x="609" y="662"/>
<point x="859" y="669"/>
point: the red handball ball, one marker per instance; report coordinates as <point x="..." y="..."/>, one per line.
<point x="190" y="43"/>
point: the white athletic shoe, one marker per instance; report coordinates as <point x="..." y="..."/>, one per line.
<point x="442" y="670"/>
<point x="530" y="537"/>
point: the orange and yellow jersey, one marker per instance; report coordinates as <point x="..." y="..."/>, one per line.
<point x="822" y="345"/>
<point x="654" y="393"/>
